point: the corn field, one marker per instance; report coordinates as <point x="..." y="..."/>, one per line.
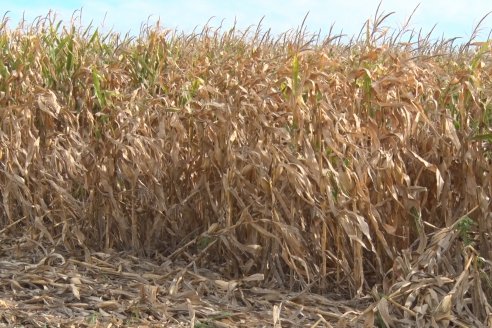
<point x="237" y="178"/>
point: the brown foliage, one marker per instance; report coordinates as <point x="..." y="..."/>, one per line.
<point x="320" y="166"/>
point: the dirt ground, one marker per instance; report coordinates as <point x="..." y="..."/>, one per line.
<point x="40" y="287"/>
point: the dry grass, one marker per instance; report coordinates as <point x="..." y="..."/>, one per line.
<point x="319" y="167"/>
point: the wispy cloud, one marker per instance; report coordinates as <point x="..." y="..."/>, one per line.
<point x="453" y="18"/>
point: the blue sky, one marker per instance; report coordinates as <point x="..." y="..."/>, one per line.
<point x="454" y="18"/>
